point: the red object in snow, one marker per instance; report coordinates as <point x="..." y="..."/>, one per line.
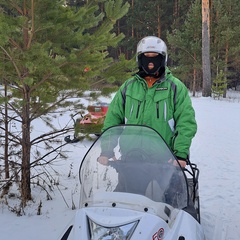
<point x="96" y="114"/>
<point x="87" y="69"/>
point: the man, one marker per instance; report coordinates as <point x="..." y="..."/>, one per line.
<point x="154" y="97"/>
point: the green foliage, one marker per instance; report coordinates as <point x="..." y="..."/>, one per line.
<point x="50" y="53"/>
<point x="123" y="69"/>
<point x="179" y="23"/>
<point x="53" y="50"/>
<point x="185" y="45"/>
<point x="219" y="86"/>
<point x="88" y="129"/>
<point x="64" y="48"/>
<point x="225" y="33"/>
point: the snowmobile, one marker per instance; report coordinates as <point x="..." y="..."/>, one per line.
<point x="91" y="123"/>
<point x="141" y="193"/>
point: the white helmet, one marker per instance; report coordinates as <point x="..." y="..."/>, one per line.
<point x="152" y="44"/>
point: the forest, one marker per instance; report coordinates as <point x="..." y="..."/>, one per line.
<point x="53" y="51"/>
<point x="179" y="23"/>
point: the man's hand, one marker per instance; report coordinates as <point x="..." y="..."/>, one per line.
<point x="104" y="160"/>
<point x="182" y="163"/>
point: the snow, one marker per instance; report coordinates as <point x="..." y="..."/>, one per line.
<point x="215" y="149"/>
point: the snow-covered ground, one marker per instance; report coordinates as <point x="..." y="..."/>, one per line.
<point x="215" y="149"/>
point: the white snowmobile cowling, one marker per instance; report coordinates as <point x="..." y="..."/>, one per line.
<point x="140" y="196"/>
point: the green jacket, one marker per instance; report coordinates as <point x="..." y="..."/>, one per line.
<point x="166" y="107"/>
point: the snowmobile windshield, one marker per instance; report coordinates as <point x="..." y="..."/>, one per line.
<point x="144" y="167"/>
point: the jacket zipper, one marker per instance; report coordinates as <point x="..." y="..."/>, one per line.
<point x="138" y="109"/>
<point x="164" y="111"/>
<point x="157" y="108"/>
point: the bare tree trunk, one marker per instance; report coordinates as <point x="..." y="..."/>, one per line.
<point x="132" y="6"/>
<point x="194" y="78"/>
<point x="175" y="10"/>
<point x="132" y="32"/>
<point x="118" y="32"/>
<point x="159" y="22"/>
<point x="6" y="163"/>
<point x="26" y="148"/>
<point x="206" y="65"/>
<point x="26" y="144"/>
<point x="225" y="68"/>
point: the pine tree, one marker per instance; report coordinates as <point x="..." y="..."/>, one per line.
<point x="225" y="41"/>
<point x="185" y="49"/>
<point x="145" y="18"/>
<point x="47" y="48"/>
<point x="219" y="86"/>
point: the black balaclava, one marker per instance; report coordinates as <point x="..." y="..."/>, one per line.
<point x="158" y="63"/>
